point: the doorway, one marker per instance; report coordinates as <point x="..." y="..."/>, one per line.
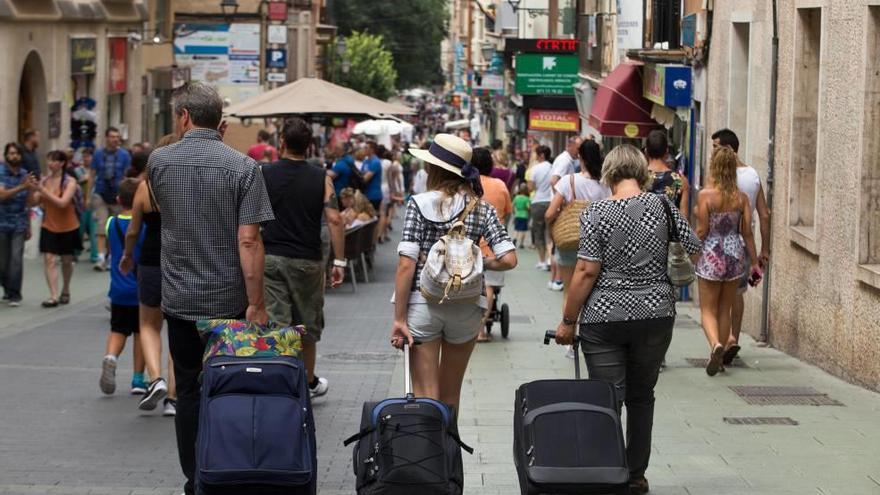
<point x="32" y="100"/>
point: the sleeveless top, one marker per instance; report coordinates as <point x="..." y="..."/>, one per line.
<point x="668" y="183"/>
<point x="151" y="250"/>
<point x="296" y="191"/>
<point x="60" y="220"/>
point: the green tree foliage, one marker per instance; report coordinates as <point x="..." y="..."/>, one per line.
<point x="412" y="30"/>
<point x="372" y="69"/>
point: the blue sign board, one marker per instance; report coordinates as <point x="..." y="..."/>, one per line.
<point x="276" y="58"/>
<point x="668" y="85"/>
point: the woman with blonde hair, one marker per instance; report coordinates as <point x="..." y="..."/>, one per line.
<point x="620" y="298"/>
<point x="358" y="209"/>
<point x="723" y="223"/>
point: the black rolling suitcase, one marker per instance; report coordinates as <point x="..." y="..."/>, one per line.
<point x="567" y="436"/>
<point x="408" y="446"/>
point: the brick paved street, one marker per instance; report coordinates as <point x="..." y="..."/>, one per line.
<point x="61" y="436"/>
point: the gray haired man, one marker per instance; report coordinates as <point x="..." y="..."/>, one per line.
<point x="213" y="200"/>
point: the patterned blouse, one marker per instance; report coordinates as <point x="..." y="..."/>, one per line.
<point x="629" y="238"/>
<point x="670" y="184"/>
<point x="428" y="218"/>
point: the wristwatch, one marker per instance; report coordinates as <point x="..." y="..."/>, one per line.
<point x="569" y="321"/>
<point x="340" y="263"/>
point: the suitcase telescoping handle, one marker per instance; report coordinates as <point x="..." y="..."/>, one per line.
<point x="407" y="376"/>
<point x="575" y="343"/>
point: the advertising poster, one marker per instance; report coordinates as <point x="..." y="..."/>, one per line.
<point x="118" y="50"/>
<point x="204" y="48"/>
<point x="244" y="54"/>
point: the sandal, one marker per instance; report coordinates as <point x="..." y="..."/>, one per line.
<point x="50" y="303"/>
<point x="730" y="354"/>
<point x="714" y="363"/>
<point x="64" y="299"/>
<point x="484" y="338"/>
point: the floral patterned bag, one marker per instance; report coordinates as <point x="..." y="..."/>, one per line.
<point x="244" y="338"/>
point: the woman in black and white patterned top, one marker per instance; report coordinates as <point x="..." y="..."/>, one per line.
<point x="621" y="297"/>
<point x="453" y="185"/>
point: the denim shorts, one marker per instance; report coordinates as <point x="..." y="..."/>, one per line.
<point x="456" y="323"/>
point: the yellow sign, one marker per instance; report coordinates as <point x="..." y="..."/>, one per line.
<point x="631" y="130"/>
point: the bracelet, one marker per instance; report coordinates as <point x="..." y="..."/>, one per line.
<point x="340" y="263"/>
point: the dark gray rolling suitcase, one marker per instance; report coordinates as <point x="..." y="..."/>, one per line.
<point x="567" y="436"/>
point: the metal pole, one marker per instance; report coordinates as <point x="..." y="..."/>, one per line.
<point x="771" y="164"/>
<point x="553" y="19"/>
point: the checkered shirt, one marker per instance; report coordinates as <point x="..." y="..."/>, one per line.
<point x="630" y="238"/>
<point x="419" y="234"/>
<point x="205" y="190"/>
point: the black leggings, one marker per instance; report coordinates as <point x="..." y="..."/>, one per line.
<point x="627" y="354"/>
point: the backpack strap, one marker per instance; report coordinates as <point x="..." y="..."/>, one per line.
<point x="459" y="222"/>
<point x="153" y="204"/>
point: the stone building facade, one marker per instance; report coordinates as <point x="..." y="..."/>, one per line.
<point x="59" y="51"/>
<point x="825" y="269"/>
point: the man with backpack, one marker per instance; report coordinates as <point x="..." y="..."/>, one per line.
<point x="344" y="172"/>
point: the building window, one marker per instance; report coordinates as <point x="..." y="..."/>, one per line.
<point x="738" y="106"/>
<point x="805" y="127"/>
<point x="869" y="217"/>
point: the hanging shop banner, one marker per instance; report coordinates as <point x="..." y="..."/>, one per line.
<point x="83" y="56"/>
<point x="539" y="74"/>
<point x="277" y="33"/>
<point x="244" y="54"/>
<point x="629" y="24"/>
<point x="554" y="120"/>
<point x="667" y="85"/>
<point x="540" y="45"/>
<point x="278" y="11"/>
<point x="489" y="85"/>
<point x="118" y="48"/>
<point x="276" y="58"/>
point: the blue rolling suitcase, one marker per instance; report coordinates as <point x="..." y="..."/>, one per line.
<point x="256" y="429"/>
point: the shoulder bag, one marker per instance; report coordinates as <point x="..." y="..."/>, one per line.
<point x="679" y="268"/>
<point x="566" y="229"/>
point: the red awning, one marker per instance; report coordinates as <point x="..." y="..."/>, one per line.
<point x="619" y="109"/>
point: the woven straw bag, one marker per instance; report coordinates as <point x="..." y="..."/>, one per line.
<point x="566" y="230"/>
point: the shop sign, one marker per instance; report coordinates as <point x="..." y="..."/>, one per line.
<point x="554" y="120"/>
<point x="667" y="85"/>
<point x="118" y="48"/>
<point x="277" y="34"/>
<point x="278" y="11"/>
<point x="276" y="58"/>
<point x="689" y="30"/>
<point x="489" y="84"/>
<point x="83" y="56"/>
<point x="538" y="74"/>
<point x="219" y="54"/>
<point x="54" y="119"/>
<point x="532" y="45"/>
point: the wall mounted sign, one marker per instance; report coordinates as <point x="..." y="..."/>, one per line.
<point x="668" y="85"/>
<point x="538" y="74"/>
<point x="83" y="56"/>
<point x="554" y="120"/>
<point x="118" y="48"/>
<point x="276" y="58"/>
<point x="279" y="77"/>
<point x="278" y="11"/>
<point x="277" y="33"/>
<point x="54" y="119"/>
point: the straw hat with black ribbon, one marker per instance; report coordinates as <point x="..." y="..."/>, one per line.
<point x="451" y="153"/>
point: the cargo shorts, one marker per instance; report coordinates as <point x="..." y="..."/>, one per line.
<point x="294" y="291"/>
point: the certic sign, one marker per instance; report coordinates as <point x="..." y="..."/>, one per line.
<point x="532" y="45"/>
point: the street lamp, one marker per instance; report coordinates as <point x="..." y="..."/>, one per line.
<point x="345" y="66"/>
<point x="229" y="7"/>
<point x="340" y="46"/>
<point x="514" y="4"/>
<point x="488" y="52"/>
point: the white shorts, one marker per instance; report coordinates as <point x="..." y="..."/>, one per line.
<point x="456" y="323"/>
<point x="493" y="278"/>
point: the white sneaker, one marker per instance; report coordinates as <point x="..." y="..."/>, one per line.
<point x="320" y="388"/>
<point x="539" y="266"/>
<point x="101" y="264"/>
<point x="557" y="286"/>
<point x="170" y="408"/>
<point x="549" y="285"/>
<point x="569" y="353"/>
<point x="108" y="374"/>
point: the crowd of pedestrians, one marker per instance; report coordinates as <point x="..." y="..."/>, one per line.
<point x="264" y="238"/>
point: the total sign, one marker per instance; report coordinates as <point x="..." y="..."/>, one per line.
<point x="276" y="58"/>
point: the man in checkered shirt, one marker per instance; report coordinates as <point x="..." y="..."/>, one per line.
<point x="213" y="200"/>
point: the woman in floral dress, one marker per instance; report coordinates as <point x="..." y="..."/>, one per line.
<point x="723" y="220"/>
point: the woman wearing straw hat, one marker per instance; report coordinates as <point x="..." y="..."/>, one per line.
<point x="448" y="329"/>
